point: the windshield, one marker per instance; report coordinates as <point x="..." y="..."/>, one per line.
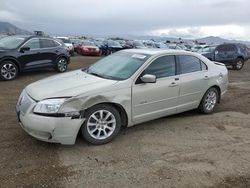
<point x="208" y="49"/>
<point x="11" y="42"/>
<point x="118" y="66"/>
<point x="65" y="40"/>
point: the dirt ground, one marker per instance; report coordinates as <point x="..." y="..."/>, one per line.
<point x="185" y="150"/>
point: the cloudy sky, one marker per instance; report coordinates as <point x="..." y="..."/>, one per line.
<point x="178" y="18"/>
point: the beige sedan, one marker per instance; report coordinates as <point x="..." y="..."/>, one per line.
<point x="121" y="90"/>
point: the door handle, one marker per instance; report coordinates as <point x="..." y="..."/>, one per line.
<point x="206" y="77"/>
<point x="173" y="84"/>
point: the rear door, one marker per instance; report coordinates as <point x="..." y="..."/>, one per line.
<point x="194" y="78"/>
<point x="226" y="53"/>
<point x="231" y="53"/>
<point x="49" y="51"/>
<point x="154" y="100"/>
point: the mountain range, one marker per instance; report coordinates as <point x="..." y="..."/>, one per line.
<point x="8" y="28"/>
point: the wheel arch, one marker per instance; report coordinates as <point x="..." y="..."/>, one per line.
<point x="14" y="60"/>
<point x="240" y="57"/>
<point x="219" y="91"/>
<point x="64" y="56"/>
<point x="119" y="108"/>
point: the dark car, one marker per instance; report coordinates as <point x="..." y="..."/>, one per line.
<point x="230" y="54"/>
<point x="111" y="46"/>
<point x="24" y="53"/>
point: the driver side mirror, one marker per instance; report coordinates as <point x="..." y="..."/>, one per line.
<point x="148" y="78"/>
<point x="216" y="52"/>
<point x="24" y="49"/>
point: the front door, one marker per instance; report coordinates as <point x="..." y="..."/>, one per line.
<point x="154" y="100"/>
<point x="32" y="57"/>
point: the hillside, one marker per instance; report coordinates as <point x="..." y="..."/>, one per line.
<point x="8" y="28"/>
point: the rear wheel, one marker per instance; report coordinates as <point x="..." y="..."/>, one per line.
<point x="102" y="124"/>
<point x="61" y="64"/>
<point x="8" y="70"/>
<point x="239" y="64"/>
<point x="209" y="101"/>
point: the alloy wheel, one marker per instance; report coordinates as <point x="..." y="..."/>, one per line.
<point x="101" y="124"/>
<point x="8" y="71"/>
<point x="210" y="100"/>
<point x="62" y="65"/>
<point x="239" y="65"/>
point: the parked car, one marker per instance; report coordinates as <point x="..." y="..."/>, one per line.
<point x="24" y="53"/>
<point x="68" y="44"/>
<point x="149" y="44"/>
<point x="174" y="47"/>
<point x="161" y="45"/>
<point x="88" y="48"/>
<point x="76" y="43"/>
<point x="229" y="54"/>
<point x="196" y="48"/>
<point x="126" y="88"/>
<point x="111" y="46"/>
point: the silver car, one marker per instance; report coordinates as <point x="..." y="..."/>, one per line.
<point x="121" y="90"/>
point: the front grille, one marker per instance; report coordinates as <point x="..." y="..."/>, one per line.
<point x="24" y="102"/>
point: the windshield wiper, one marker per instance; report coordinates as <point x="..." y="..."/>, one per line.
<point x="96" y="74"/>
<point x="86" y="69"/>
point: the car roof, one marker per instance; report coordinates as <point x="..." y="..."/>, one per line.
<point x="159" y="51"/>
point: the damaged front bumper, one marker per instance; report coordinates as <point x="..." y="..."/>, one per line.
<point x="63" y="130"/>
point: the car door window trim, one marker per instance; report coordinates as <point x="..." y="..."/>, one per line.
<point x="152" y="61"/>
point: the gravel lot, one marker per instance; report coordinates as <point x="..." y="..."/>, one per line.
<point x="185" y="150"/>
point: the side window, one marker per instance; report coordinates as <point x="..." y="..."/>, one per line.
<point x="222" y="48"/>
<point x="231" y="48"/>
<point x="162" y="67"/>
<point x="189" y="64"/>
<point x="47" y="43"/>
<point x="33" y="44"/>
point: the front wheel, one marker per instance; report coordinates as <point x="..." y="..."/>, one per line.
<point x="102" y="124"/>
<point x="8" y="70"/>
<point x="209" y="101"/>
<point x="61" y="64"/>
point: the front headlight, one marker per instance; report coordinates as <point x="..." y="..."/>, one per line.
<point x="49" y="106"/>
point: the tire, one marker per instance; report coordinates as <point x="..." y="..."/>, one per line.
<point x="239" y="64"/>
<point x="8" y="70"/>
<point x="100" y="132"/>
<point x="209" y="101"/>
<point x="61" y="64"/>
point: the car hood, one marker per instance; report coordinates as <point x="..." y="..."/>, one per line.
<point x="66" y="85"/>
